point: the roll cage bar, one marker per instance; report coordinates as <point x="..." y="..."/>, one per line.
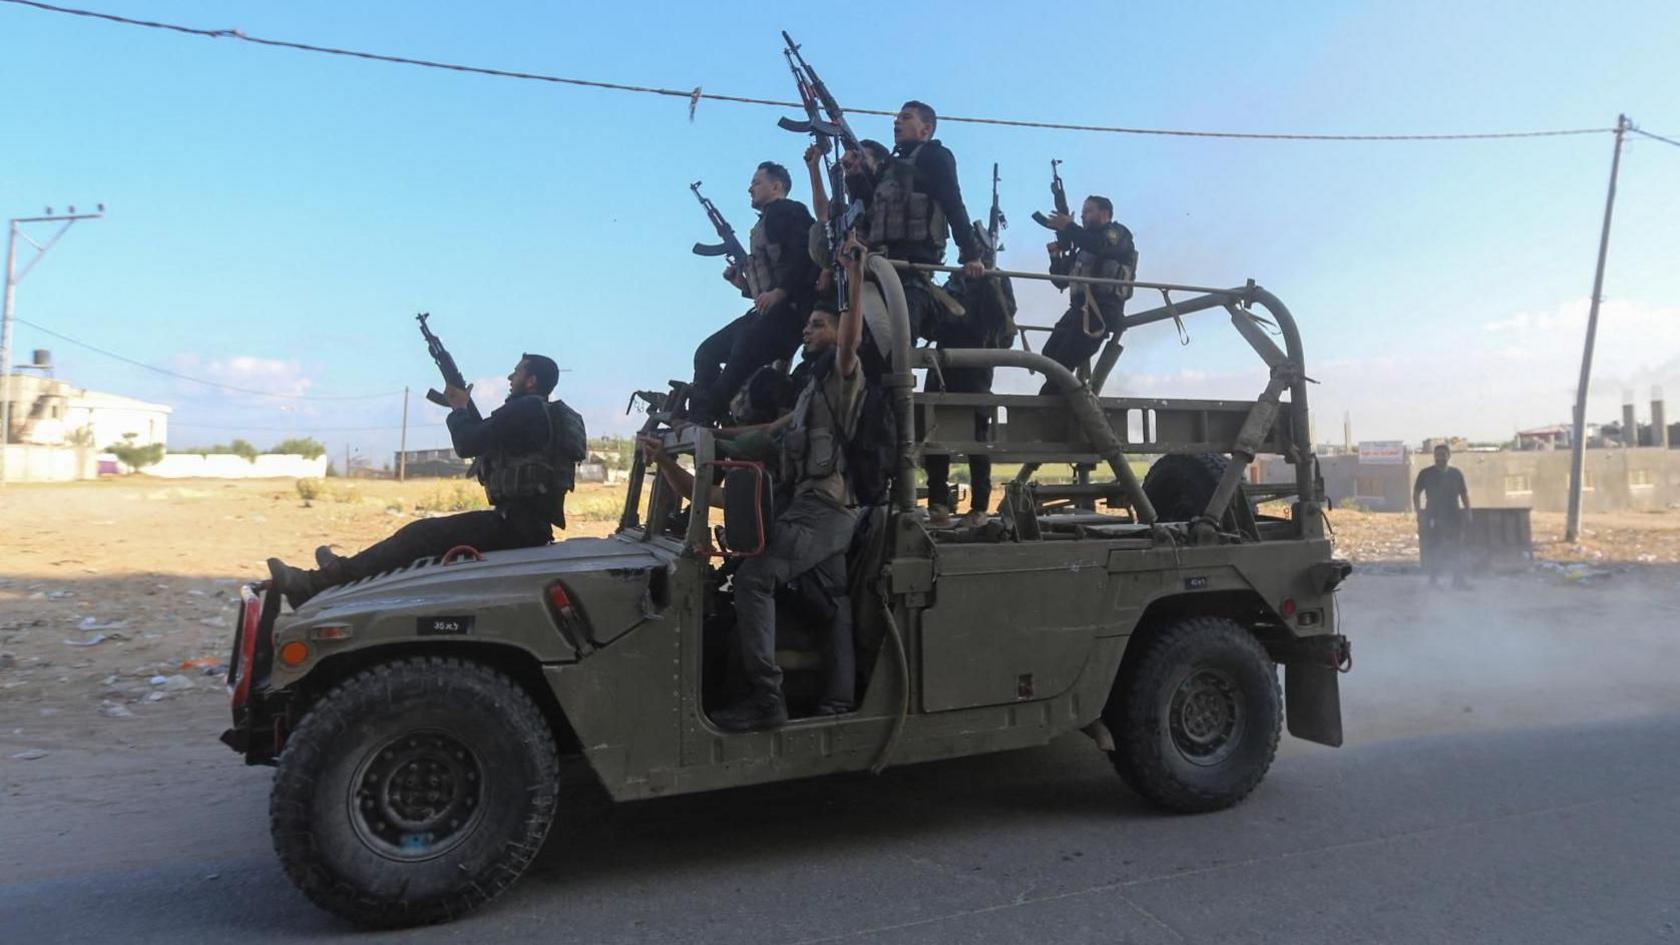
<point x="1078" y="426"/>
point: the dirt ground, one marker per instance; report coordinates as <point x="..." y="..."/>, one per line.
<point x="117" y="597"/>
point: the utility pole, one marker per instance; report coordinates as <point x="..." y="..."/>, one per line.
<point x="13" y="277"/>
<point x="402" y="445"/>
<point x="1578" y="439"/>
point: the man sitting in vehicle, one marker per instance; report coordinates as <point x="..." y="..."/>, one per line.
<point x="813" y="529"/>
<point x="526" y="455"/>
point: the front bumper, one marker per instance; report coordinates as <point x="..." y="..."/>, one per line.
<point x="258" y="732"/>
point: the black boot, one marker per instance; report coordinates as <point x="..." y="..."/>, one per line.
<point x="295" y="584"/>
<point x="755" y="713"/>
<point x="326" y="560"/>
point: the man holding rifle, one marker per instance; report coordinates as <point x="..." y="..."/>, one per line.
<point x="780" y="279"/>
<point x="526" y="455"/>
<point x="1095" y="247"/>
<point x="917" y="199"/>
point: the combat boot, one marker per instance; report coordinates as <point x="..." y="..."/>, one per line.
<point x="755" y="713"/>
<point x="294" y="584"/>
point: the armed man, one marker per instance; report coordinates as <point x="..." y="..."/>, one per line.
<point x="526" y="455"/>
<point x="780" y="279"/>
<point x="988" y="322"/>
<point x="1100" y="248"/>
<point x="814" y="526"/>
<point x="916" y="201"/>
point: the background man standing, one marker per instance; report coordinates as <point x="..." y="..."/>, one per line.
<point x="1103" y="249"/>
<point x="1441" y="521"/>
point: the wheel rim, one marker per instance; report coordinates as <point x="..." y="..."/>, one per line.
<point x="417" y="796"/>
<point x="1206" y="718"/>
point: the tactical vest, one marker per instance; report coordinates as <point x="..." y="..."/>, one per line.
<point x="508" y="476"/>
<point x="811" y="445"/>
<point x="897" y="213"/>
<point x="762" y="258"/>
<point x="1106" y="266"/>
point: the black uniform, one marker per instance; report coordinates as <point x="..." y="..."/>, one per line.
<point x="916" y="199"/>
<point x="989" y="304"/>
<point x="1106" y="252"/>
<point x="517" y="427"/>
<point x="779" y="258"/>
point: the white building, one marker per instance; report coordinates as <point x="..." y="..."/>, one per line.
<point x="46" y="411"/>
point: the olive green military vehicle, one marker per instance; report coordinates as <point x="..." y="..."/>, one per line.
<point x="419" y="719"/>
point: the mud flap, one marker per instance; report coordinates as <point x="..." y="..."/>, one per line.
<point x="1313" y="701"/>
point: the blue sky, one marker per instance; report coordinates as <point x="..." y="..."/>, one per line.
<point x="276" y="218"/>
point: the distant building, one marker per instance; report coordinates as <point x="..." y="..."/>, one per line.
<point x="1554" y="437"/>
<point x="430" y="464"/>
<point x="46" y="411"/>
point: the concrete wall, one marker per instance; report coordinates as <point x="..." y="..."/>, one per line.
<point x="227" y="466"/>
<point x="28" y="463"/>
<point x="1616" y="479"/>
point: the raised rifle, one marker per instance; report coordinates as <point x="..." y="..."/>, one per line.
<point x="445" y="362"/>
<point x="826" y="121"/>
<point x="730" y="248"/>
<point x="1058" y="194"/>
<point x="991" y="237"/>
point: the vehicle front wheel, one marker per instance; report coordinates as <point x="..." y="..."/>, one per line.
<point x="1195" y="715"/>
<point x="413" y="792"/>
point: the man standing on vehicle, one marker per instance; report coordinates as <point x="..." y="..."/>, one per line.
<point x="779" y="277"/>
<point x="526" y="455"/>
<point x="1441" y="521"/>
<point x="1103" y="249"/>
<point x="916" y="200"/>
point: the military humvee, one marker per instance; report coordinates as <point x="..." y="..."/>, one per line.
<point x="418" y="719"/>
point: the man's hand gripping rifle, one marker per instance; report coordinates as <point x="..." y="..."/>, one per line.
<point x="729" y="247"/>
<point x="826" y="122"/>
<point x="445" y="362"/>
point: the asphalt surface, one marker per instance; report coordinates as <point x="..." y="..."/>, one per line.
<point x="1511" y="777"/>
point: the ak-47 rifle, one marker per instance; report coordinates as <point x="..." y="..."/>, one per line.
<point x="729" y="248"/>
<point x="1058" y="194"/>
<point x="445" y="362"/>
<point x="826" y="122"/>
<point x="991" y="238"/>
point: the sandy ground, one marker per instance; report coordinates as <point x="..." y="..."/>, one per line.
<point x="117" y="597"/>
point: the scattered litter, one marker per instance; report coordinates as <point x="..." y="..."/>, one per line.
<point x="158" y="680"/>
<point x="177" y="683"/>
<point x="213" y="621"/>
<point x="195" y="592"/>
<point x="154" y="697"/>
<point x="27" y="755"/>
<point x="92" y="623"/>
<point x="59" y="595"/>
<point x="111" y="680"/>
<point x="198" y="662"/>
<point x="112" y="710"/>
<point x="94" y="640"/>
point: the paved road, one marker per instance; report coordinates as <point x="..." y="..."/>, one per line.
<point x="1512" y="778"/>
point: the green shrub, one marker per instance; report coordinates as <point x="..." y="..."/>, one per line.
<point x="136" y="457"/>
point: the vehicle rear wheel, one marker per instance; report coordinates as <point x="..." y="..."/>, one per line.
<point x="413" y="792"/>
<point x="1196" y="716"/>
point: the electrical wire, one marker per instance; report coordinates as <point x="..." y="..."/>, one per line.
<point x="696" y="94"/>
<point x="1641" y="131"/>
<point x="199" y="380"/>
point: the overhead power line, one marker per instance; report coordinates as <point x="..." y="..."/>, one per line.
<point x="696" y="94"/>
<point x="199" y="380"/>
<point x="1641" y="131"/>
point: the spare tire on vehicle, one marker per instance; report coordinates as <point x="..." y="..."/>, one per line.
<point x="1180" y="485"/>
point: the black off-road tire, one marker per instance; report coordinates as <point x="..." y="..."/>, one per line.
<point x="414" y="792"/>
<point x="1195" y="715"/>
<point x="1180" y="485"/>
